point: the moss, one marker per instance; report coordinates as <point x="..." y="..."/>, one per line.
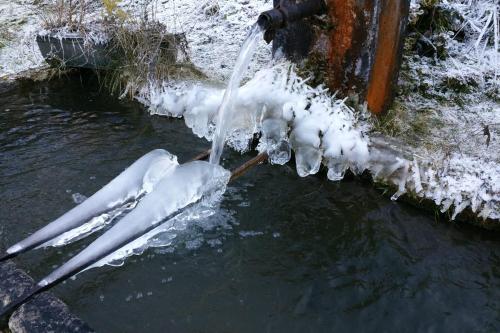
<point x="460" y="86"/>
<point x="428" y="32"/>
<point x="434" y="18"/>
<point x="315" y="67"/>
<point x="392" y="122"/>
<point x="5" y="35"/>
<point x="493" y="94"/>
<point x="399" y="121"/>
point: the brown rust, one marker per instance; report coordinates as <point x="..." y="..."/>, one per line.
<point x="355" y="49"/>
<point x="351" y="41"/>
<point x="343" y="16"/>
<point x="365" y="47"/>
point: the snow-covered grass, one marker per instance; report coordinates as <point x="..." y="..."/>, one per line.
<point x="18" y="26"/>
<point x="215" y="30"/>
<point x="448" y="110"/>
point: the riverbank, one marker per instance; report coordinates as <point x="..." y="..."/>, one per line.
<point x="45" y="312"/>
<point x="438" y="143"/>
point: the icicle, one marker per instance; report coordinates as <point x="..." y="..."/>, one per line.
<point x="416" y="177"/>
<point x="459" y="208"/>
<point x="446" y="205"/>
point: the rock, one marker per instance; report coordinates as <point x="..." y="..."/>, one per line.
<point x="44" y="313"/>
<point x="13" y="282"/>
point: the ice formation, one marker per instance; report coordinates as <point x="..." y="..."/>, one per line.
<point x="185" y="186"/>
<point x="279" y="103"/>
<point x="165" y="235"/>
<point x="457" y="87"/>
<point x="136" y="180"/>
<point x="215" y="31"/>
<point x="290" y="114"/>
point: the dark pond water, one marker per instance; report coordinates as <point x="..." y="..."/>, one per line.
<point x="303" y="255"/>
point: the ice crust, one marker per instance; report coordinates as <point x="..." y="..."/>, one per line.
<point x="453" y="184"/>
<point x="166" y="234"/>
<point x="94" y="212"/>
<point x="184" y="186"/>
<point x="322" y="130"/>
<point x="279" y="103"/>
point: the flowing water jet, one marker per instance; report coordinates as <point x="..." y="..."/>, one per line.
<point x="226" y="109"/>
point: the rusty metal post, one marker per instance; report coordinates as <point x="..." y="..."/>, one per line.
<point x="357" y="47"/>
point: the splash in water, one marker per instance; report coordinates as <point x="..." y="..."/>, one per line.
<point x="227" y="106"/>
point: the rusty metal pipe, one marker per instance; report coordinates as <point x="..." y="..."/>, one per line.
<point x="286" y="13"/>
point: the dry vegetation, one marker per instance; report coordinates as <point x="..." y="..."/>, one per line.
<point x="141" y="50"/>
<point x="64" y="13"/>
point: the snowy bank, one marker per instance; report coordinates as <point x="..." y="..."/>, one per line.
<point x="18" y="27"/>
<point x="289" y="114"/>
<point x="445" y="122"/>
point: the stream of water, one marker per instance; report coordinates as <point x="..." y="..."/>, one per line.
<point x="224" y="115"/>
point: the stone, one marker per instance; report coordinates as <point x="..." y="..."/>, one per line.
<point x="43" y="313"/>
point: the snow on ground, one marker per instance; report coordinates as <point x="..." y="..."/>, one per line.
<point x="215" y="30"/>
<point x="18" y="26"/>
<point x="450" y="104"/>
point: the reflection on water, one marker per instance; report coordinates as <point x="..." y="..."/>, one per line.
<point x="284" y="254"/>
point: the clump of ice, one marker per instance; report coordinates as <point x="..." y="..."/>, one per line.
<point x="93" y="213"/>
<point x="289" y="113"/>
<point x="454" y="183"/>
<point x="177" y="191"/>
<point x="164" y="235"/>
<point x="95" y="224"/>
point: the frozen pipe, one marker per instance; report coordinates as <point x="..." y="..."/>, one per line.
<point x="126" y="187"/>
<point x="136" y="223"/>
<point x="285" y="13"/>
